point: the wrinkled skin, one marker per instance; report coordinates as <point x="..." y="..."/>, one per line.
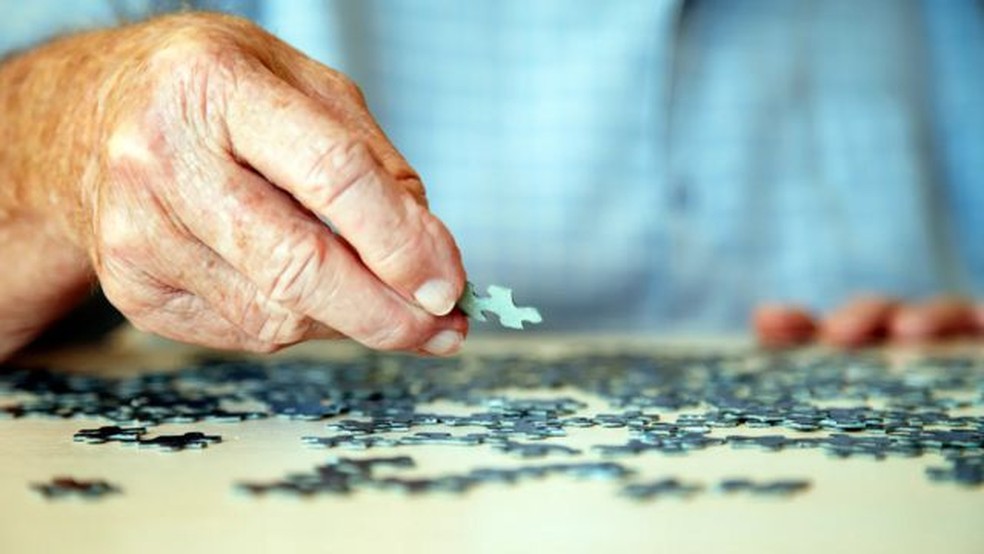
<point x="210" y="151"/>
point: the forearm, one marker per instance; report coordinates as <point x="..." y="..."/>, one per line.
<point x="48" y="105"/>
<point x="41" y="279"/>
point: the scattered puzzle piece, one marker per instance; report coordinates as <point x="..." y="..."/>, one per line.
<point x="134" y="435"/>
<point x="385" y="401"/>
<point x="661" y="488"/>
<point x="499" y="302"/>
<point x="786" y="487"/>
<point x="61" y="487"/>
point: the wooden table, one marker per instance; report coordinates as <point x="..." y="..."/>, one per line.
<point x="184" y="502"/>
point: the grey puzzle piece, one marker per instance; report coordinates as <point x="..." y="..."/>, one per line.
<point x="499" y="302"/>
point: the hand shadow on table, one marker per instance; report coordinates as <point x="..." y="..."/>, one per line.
<point x="88" y="323"/>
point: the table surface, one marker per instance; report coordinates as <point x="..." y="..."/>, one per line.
<point x="185" y="501"/>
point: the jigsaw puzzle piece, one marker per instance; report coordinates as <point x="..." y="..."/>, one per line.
<point x="499" y="302"/>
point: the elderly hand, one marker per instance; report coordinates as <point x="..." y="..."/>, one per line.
<point x="214" y="151"/>
<point x="869" y="320"/>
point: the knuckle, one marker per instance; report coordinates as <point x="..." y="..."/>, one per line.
<point x="132" y="149"/>
<point x="350" y="88"/>
<point x="435" y="230"/>
<point x="192" y="72"/>
<point x="414" y="187"/>
<point x="195" y="37"/>
<point x="297" y="265"/>
<point x="402" y="253"/>
<point x="340" y="167"/>
<point x="281" y="328"/>
<point x="421" y="246"/>
<point x="340" y="83"/>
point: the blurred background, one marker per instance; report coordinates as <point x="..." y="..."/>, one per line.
<point x="662" y="165"/>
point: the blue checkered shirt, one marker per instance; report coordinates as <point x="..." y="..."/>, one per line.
<point x="640" y="165"/>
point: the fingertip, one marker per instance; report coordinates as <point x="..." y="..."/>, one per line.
<point x="439" y="273"/>
<point x="458" y="321"/>
<point x="862" y="321"/>
<point x="449" y="339"/>
<point x="779" y="325"/>
<point x="437" y="296"/>
<point x="848" y="332"/>
<point x="769" y="318"/>
<point x="938" y="318"/>
<point x="909" y="324"/>
<point x="444" y="343"/>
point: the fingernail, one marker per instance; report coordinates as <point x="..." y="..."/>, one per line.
<point x="436" y="296"/>
<point x="444" y="343"/>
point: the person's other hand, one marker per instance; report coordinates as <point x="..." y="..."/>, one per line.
<point x="221" y="149"/>
<point x="869" y="320"/>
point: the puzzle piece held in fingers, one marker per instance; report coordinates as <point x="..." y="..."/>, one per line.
<point x="499" y="302"/>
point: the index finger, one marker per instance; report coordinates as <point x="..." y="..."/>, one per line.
<point x="299" y="146"/>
